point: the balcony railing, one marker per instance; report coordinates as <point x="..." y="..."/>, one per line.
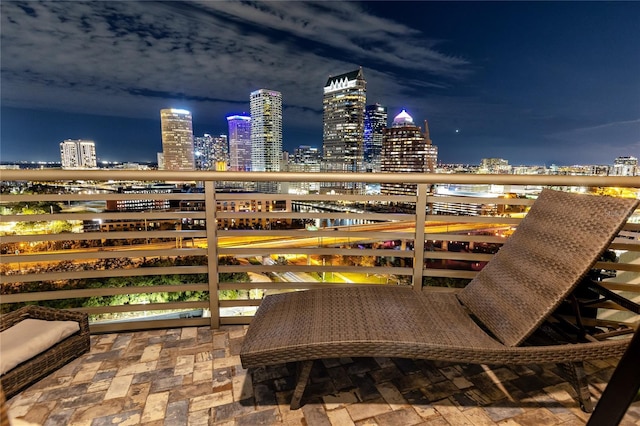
<point x="150" y="258"/>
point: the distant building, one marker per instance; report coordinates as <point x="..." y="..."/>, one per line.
<point x="266" y="135"/>
<point x="494" y="166"/>
<point x="243" y="204"/>
<point x="625" y="166"/>
<point x="305" y="159"/>
<point x="239" y="143"/>
<point x="343" y="104"/>
<point x="78" y="154"/>
<point x="405" y="149"/>
<point x="177" y="139"/>
<point x="431" y="151"/>
<point x="375" y="120"/>
<point x="129" y="205"/>
<point x="306" y="155"/>
<point x="211" y="152"/>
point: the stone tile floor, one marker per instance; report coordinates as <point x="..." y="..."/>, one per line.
<point x="193" y="376"/>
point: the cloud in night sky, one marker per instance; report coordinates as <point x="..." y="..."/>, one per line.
<point x="517" y="82"/>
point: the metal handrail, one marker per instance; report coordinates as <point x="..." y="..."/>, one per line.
<point x="415" y="267"/>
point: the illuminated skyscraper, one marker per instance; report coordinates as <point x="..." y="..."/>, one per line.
<point x="78" y="154"/>
<point x="375" y="120"/>
<point x="266" y="134"/>
<point x="305" y="159"/>
<point x="431" y="150"/>
<point x="239" y="143"/>
<point x="405" y="149"/>
<point x="211" y="152"/>
<point x="177" y="139"/>
<point x="343" y="133"/>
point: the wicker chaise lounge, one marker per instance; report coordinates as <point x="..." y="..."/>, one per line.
<point x="488" y="322"/>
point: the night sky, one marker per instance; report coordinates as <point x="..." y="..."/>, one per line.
<point x="531" y="82"/>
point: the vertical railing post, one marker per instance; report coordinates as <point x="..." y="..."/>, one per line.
<point x="418" y="242"/>
<point x="212" y="251"/>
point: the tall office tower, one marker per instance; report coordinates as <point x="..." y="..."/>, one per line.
<point x="266" y="135"/>
<point x="239" y="143"/>
<point x="431" y="150"/>
<point x="305" y="159"/>
<point x="221" y="153"/>
<point x="202" y="147"/>
<point x="211" y="153"/>
<point x="625" y="166"/>
<point x="343" y="133"/>
<point x="177" y="139"/>
<point x="375" y="119"/>
<point x="405" y="149"/>
<point x="78" y="154"/>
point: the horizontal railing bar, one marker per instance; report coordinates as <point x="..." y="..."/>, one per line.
<point x="101" y="291"/>
<point x="312" y="198"/>
<point x="464" y="238"/>
<point x="448" y="273"/>
<point x="250" y="252"/>
<point x="14" y="198"/>
<point x="141" y="307"/>
<point x="237" y="320"/>
<point x="614" y="286"/>
<point x="632" y="227"/>
<point x="386" y="217"/>
<point x="456" y="255"/>
<point x="618" y="266"/>
<point x="427" y="178"/>
<point x="105" y="216"/>
<point x="239" y="302"/>
<point x="288" y="285"/>
<point x="56" y="276"/>
<point x="392" y="235"/>
<point x="453" y="199"/>
<point x="315" y="268"/>
<point x="115" y="235"/>
<point x="489" y="220"/>
<point x="141" y="324"/>
<point x="622" y="244"/>
<point x="106" y="253"/>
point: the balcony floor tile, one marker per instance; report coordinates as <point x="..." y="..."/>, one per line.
<point x="193" y="376"/>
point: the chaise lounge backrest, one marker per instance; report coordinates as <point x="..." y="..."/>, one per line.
<point x="553" y="248"/>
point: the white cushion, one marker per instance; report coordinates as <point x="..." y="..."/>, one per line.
<point x="15" y="421"/>
<point x="30" y="337"/>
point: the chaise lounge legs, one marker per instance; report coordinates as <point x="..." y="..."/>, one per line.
<point x="304" y="371"/>
<point x="573" y="370"/>
<point x="578" y="378"/>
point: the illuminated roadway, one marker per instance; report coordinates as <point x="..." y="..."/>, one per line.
<point x="315" y="240"/>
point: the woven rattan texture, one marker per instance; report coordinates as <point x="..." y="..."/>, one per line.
<point x="53" y="358"/>
<point x="542" y="262"/>
<point x="554" y="246"/>
<point x="4" y="410"/>
<point x="397" y="322"/>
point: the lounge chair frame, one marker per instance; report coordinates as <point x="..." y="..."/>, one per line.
<point x="488" y="322"/>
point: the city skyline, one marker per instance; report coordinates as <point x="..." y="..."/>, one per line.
<point x="534" y="83"/>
